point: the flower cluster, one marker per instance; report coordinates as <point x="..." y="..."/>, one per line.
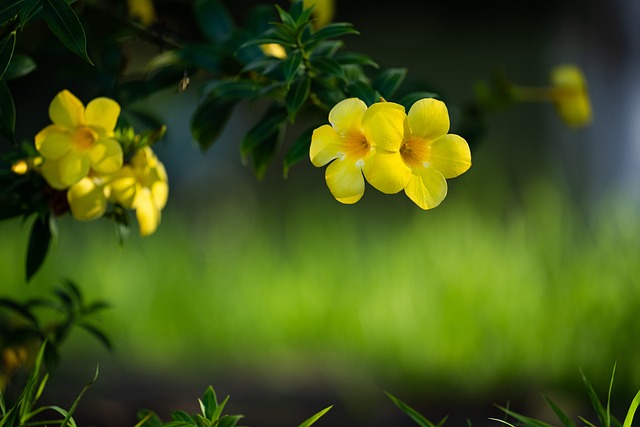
<point x="393" y="150"/>
<point x="83" y="157"/>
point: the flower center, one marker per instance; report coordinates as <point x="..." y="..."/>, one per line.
<point x="415" y="152"/>
<point x="83" y="138"/>
<point x="356" y="147"/>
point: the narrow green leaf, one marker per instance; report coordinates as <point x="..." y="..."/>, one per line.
<point x="229" y="420"/>
<point x="365" y="92"/>
<point x="7" y="44"/>
<point x="291" y="65"/>
<point x="587" y="422"/>
<point x="299" y="150"/>
<point x="388" y="82"/>
<point x="328" y="66"/>
<point x="297" y="95"/>
<point x="64" y="23"/>
<point x="9" y="10"/>
<point x="29" y="9"/>
<point x="412" y="413"/>
<point x="39" y="242"/>
<point x="181" y="416"/>
<point x="98" y="334"/>
<point x="527" y="421"/>
<point x="595" y="401"/>
<point x="214" y="20"/>
<point x="285" y="17"/>
<point x="209" y="404"/>
<point x="632" y="410"/>
<point x="20" y="65"/>
<point x="209" y="120"/>
<point x="355" y="58"/>
<point x="263" y="154"/>
<point x="75" y="402"/>
<point x="266" y="127"/>
<point x="315" y="417"/>
<point x="564" y="419"/>
<point x="7" y="113"/>
<point x="19" y="308"/>
<point x="331" y="31"/>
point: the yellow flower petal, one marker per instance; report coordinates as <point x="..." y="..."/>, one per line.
<point x="66" y="110"/>
<point x="124" y="186"/>
<point x="102" y="115"/>
<point x="147" y="214"/>
<point x="323" y="11"/>
<point x="450" y="154"/>
<point x="346" y="116"/>
<point x="73" y="167"/>
<point x="106" y="156"/>
<point x="428" y="118"/>
<point x="345" y="181"/>
<point x="427" y="188"/>
<point x="53" y="142"/>
<point x="50" y="170"/>
<point x="326" y="145"/>
<point x="387" y="172"/>
<point x="160" y="188"/>
<point x="86" y="200"/>
<point x="383" y="125"/>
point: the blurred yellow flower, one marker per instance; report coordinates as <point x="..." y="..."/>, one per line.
<point x="415" y="152"/>
<point x="570" y="95"/>
<point x="143" y="11"/>
<point x="80" y="139"/>
<point x="323" y="11"/>
<point x="273" y="49"/>
<point x="23" y="166"/>
<point x="142" y="185"/>
<point x="88" y="198"/>
<point x="346" y="145"/>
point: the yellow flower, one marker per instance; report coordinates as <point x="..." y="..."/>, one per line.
<point x="142" y="10"/>
<point x="80" y="139"/>
<point x="273" y="49"/>
<point x="142" y="185"/>
<point x="416" y="153"/>
<point x="88" y="198"/>
<point x="570" y="95"/>
<point x="323" y="11"/>
<point x="23" y="166"/>
<point x="347" y="146"/>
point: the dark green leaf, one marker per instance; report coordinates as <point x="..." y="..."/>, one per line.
<point x="7" y="113"/>
<point x="7" y="44"/>
<point x="526" y="421"/>
<point x="19" y="308"/>
<point x="9" y="10"/>
<point x="64" y="23"/>
<point x="285" y="17"/>
<point x="229" y="420"/>
<point x="361" y="90"/>
<point x="566" y="421"/>
<point x="299" y="150"/>
<point x="315" y="417"/>
<point x="209" y="404"/>
<point x="355" y="58"/>
<point x="214" y="19"/>
<point x="259" y="18"/>
<point x="20" y="65"/>
<point x="408" y="100"/>
<point x="148" y="419"/>
<point x="331" y="31"/>
<point x="209" y="120"/>
<point x="327" y="48"/>
<point x="595" y="402"/>
<point x="39" y="242"/>
<point x="296" y="9"/>
<point x="412" y="413"/>
<point x="29" y="9"/>
<point x="297" y="95"/>
<point x="98" y="334"/>
<point x="96" y="306"/>
<point x="388" y="82"/>
<point x="181" y="416"/>
<point x="263" y="154"/>
<point x="291" y="65"/>
<point x="328" y="66"/>
<point x="262" y="130"/>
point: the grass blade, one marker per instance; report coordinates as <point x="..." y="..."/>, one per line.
<point x="412" y="413"/>
<point x="632" y="410"/>
<point x="566" y="421"/>
<point x="315" y="417"/>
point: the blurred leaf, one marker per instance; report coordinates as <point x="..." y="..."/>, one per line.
<point x="29" y="9"/>
<point x="291" y="65"/>
<point x="19" y="308"/>
<point x="181" y="416"/>
<point x="263" y="154"/>
<point x="64" y="23"/>
<point x="330" y="31"/>
<point x="9" y="10"/>
<point x="299" y="150"/>
<point x="262" y="130"/>
<point x="285" y="17"/>
<point x="20" y="65"/>
<point x="214" y="20"/>
<point x="98" y="334"/>
<point x="628" y="420"/>
<point x="595" y="402"/>
<point x="315" y="417"/>
<point x="328" y="66"/>
<point x="148" y="419"/>
<point x="388" y="81"/>
<point x="412" y="413"/>
<point x="409" y="99"/>
<point x="7" y="44"/>
<point x="526" y="421"/>
<point x="77" y="400"/>
<point x="327" y="48"/>
<point x="361" y="90"/>
<point x="39" y="241"/>
<point x="209" y="120"/>
<point x="566" y="421"/>
<point x="229" y="420"/>
<point x="259" y="18"/>
<point x="355" y="58"/>
<point x="7" y="114"/>
<point x="297" y="95"/>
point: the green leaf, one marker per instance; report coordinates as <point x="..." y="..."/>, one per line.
<point x="8" y="11"/>
<point x="29" y="9"/>
<point x="64" y="23"/>
<point x="355" y="58"/>
<point x="181" y="416"/>
<point x="264" y="153"/>
<point x="566" y="421"/>
<point x="285" y="17"/>
<point x="388" y="82"/>
<point x="209" y="404"/>
<point x="299" y="150"/>
<point x="365" y="92"/>
<point x="7" y="44"/>
<point x="39" y="242"/>
<point x="632" y="410"/>
<point x="315" y="417"/>
<point x="527" y="421"/>
<point x="262" y="130"/>
<point x="331" y="31"/>
<point x="297" y="95"/>
<point x="214" y="19"/>
<point x="412" y="413"/>
<point x="328" y="66"/>
<point x="7" y="113"/>
<point x="209" y="120"/>
<point x="75" y="402"/>
<point x="595" y="402"/>
<point x="19" y="308"/>
<point x="98" y="334"/>
<point x="291" y="65"/>
<point x="20" y="65"/>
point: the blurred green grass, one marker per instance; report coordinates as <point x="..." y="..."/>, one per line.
<point x="459" y="297"/>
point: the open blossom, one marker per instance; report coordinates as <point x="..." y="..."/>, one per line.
<point x="88" y="198"/>
<point x="79" y="140"/>
<point x="142" y="185"/>
<point x="421" y="157"/>
<point x="347" y="146"/>
<point x="570" y="95"/>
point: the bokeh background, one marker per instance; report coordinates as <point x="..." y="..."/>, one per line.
<point x="276" y="294"/>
